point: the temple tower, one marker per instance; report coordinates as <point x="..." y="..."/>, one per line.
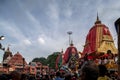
<point x="7" y="53"/>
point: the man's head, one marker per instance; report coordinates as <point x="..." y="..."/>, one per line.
<point x="89" y="72"/>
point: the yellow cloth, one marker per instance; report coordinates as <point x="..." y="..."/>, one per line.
<point x="103" y="78"/>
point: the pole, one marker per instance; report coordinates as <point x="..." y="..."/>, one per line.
<point x="117" y="26"/>
<point x="119" y="50"/>
<point x="23" y="64"/>
<point x="1" y="38"/>
<point x="69" y="33"/>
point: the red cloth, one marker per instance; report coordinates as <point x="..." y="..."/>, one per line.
<point x="90" y="41"/>
<point x="106" y="31"/>
<point x="90" y="57"/>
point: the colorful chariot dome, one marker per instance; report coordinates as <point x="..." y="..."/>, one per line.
<point x="70" y="51"/>
<point x="99" y="39"/>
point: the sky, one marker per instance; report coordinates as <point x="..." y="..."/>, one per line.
<point x="37" y="28"/>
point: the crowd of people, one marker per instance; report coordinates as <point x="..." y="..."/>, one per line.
<point x="88" y="72"/>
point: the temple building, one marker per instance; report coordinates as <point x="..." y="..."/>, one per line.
<point x="13" y="62"/>
<point x="17" y="62"/>
<point x="99" y="40"/>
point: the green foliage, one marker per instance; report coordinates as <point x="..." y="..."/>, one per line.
<point x="41" y="60"/>
<point x="51" y="59"/>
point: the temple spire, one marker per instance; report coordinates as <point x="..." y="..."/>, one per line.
<point x="8" y="49"/>
<point x="97" y="20"/>
<point x="97" y="17"/>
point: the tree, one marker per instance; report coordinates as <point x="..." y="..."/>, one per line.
<point x="41" y="60"/>
<point x="51" y="59"/>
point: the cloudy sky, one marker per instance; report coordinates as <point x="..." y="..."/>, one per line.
<point x="37" y="28"/>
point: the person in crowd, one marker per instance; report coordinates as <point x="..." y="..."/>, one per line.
<point x="3" y="77"/>
<point x="15" y="75"/>
<point x="89" y="72"/>
<point x="58" y="76"/>
<point x="74" y="76"/>
<point x="24" y="77"/>
<point x="52" y="77"/>
<point x="47" y="77"/>
<point x="113" y="75"/>
<point x="68" y="76"/>
<point x="103" y="73"/>
<point x="31" y="77"/>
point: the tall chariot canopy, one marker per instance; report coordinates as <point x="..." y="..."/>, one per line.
<point x="99" y="39"/>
